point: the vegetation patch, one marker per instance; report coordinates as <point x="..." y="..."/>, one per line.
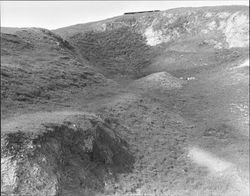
<point x="117" y="51"/>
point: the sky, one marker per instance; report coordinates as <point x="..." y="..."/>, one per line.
<point x="56" y="14"/>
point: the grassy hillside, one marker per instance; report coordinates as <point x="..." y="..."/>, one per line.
<point x="118" y="51"/>
<point x="142" y="20"/>
<point x="139" y="44"/>
<point x="39" y="66"/>
<point x="227" y="26"/>
<point x="178" y="124"/>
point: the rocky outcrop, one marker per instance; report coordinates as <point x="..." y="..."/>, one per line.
<point x="227" y="29"/>
<point x="60" y="153"/>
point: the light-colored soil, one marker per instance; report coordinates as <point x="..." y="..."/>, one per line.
<point x="221" y="169"/>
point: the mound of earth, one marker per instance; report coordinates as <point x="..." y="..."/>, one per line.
<point x="60" y="153"/>
<point x="38" y="66"/>
<point x="158" y="81"/>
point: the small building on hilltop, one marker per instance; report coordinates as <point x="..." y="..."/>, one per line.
<point x="128" y="13"/>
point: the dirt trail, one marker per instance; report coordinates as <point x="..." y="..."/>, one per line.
<point x="27" y="121"/>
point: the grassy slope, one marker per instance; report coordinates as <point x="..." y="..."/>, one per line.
<point x="162" y="126"/>
<point x="119" y="44"/>
<point x="203" y="114"/>
<point x="37" y="67"/>
<point x="119" y="51"/>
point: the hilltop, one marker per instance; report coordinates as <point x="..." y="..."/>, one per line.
<point x="183" y="22"/>
<point x="130" y="44"/>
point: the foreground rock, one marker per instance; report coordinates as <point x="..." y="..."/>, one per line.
<point x="60" y="153"/>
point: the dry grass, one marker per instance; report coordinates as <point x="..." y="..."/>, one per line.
<point x="36" y="64"/>
<point x="118" y="51"/>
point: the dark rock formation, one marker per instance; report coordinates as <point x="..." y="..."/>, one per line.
<point x="74" y="154"/>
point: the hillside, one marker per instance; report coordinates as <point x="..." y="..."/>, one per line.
<point x="38" y="67"/>
<point x="179" y="23"/>
<point x="140" y="104"/>
<point x="130" y="44"/>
